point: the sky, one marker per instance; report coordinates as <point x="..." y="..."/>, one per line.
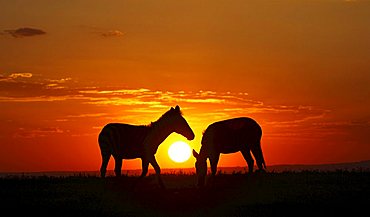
<point x="300" y="68"/>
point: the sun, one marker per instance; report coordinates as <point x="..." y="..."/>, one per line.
<point x="179" y="152"/>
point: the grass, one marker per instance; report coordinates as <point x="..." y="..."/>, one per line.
<point x="339" y="193"/>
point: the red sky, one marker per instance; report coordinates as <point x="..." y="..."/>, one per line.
<point x="300" y="68"/>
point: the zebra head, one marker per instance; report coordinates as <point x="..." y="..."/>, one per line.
<point x="180" y="125"/>
<point x="201" y="168"/>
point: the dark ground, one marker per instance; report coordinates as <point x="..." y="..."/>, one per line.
<point x="339" y="193"/>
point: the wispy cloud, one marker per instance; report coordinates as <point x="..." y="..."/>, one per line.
<point x="41" y="98"/>
<point x="112" y="33"/>
<point x="28" y="87"/>
<point x="37" y="132"/>
<point x="20" y="75"/>
<point x="24" y="32"/>
<point x="87" y="115"/>
<point x="104" y="32"/>
<point x="117" y="91"/>
<point x="14" y="76"/>
<point x="59" y="81"/>
<point x="234" y="104"/>
<point x="98" y="105"/>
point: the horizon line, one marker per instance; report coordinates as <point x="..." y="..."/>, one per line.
<point x="192" y="168"/>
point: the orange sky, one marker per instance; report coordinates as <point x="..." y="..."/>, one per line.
<point x="300" y="68"/>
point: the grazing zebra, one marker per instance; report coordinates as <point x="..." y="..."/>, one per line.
<point x="229" y="136"/>
<point x="125" y="141"/>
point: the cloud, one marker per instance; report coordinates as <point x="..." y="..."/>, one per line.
<point x="37" y="132"/>
<point x="112" y="33"/>
<point x="15" y="76"/>
<point x="88" y="115"/>
<point x="41" y="98"/>
<point x="117" y="91"/>
<point x="143" y="102"/>
<point x="96" y="106"/>
<point x="3" y="78"/>
<point x="26" y="87"/>
<point x="232" y="104"/>
<point x="209" y="100"/>
<point x="104" y="32"/>
<point x="60" y="81"/>
<point x="24" y="32"/>
<point x="20" y="75"/>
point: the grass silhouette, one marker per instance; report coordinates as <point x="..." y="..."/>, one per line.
<point x="307" y="193"/>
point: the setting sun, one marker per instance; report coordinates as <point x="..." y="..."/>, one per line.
<point x="179" y="152"/>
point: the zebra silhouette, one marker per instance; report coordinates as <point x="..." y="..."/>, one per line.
<point x="228" y="136"/>
<point x="125" y="141"/>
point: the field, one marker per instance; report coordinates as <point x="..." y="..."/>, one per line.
<point x="306" y="193"/>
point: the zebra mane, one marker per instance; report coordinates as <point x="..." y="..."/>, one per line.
<point x="166" y="115"/>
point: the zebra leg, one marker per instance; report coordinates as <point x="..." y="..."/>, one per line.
<point x="258" y="155"/>
<point x="157" y="169"/>
<point x="248" y="158"/>
<point x="104" y="164"/>
<point x="118" y="166"/>
<point x="144" y="167"/>
<point x="213" y="160"/>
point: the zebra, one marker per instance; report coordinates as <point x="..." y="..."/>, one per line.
<point x="229" y="136"/>
<point x="126" y="141"/>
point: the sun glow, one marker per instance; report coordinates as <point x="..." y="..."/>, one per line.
<point x="179" y="152"/>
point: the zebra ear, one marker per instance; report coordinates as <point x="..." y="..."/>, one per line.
<point x="177" y="108"/>
<point x="195" y="154"/>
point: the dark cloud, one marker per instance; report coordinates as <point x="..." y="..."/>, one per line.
<point x="25" y="32"/>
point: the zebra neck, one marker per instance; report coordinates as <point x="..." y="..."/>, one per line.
<point x="157" y="135"/>
<point x="204" y="153"/>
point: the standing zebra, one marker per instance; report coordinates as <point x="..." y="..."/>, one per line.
<point x="125" y="141"/>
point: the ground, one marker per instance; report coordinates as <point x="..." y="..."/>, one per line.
<point x="339" y="193"/>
